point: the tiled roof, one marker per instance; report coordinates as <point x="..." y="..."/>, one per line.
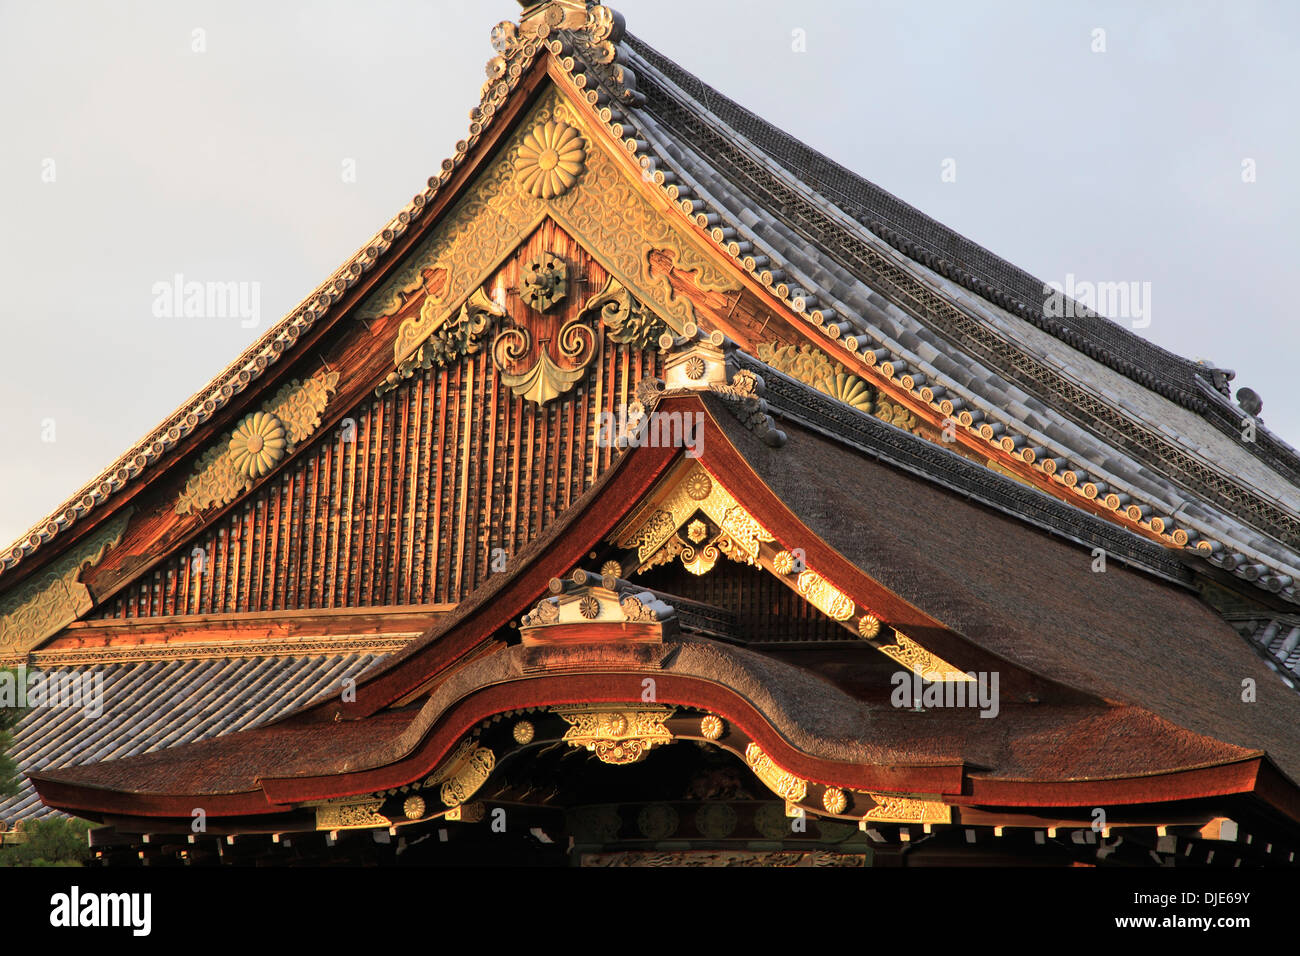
<point x="937" y="246"/>
<point x="151" y="706"/>
<point x="1181" y="473"/>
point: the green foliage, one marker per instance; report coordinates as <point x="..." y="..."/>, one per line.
<point x="54" y="841"/>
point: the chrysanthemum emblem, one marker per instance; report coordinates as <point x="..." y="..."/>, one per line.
<point x="550" y="159"/>
<point x="257" y="443"/>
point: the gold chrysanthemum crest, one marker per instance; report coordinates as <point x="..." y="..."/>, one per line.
<point x="257" y="444"/>
<point x="550" y="159"/>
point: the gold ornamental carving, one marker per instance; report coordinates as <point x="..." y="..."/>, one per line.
<point x="835" y="800"/>
<point x="605" y="210"/>
<point x="253" y="448"/>
<point x="617" y="735"/>
<point x="892" y="808"/>
<point x="629" y="322"/>
<point x="824" y="596"/>
<point x="257" y="444"/>
<point x="550" y="159"/>
<point x="695" y="490"/>
<point x="869" y="626"/>
<point x="782" y="783"/>
<point x="920" y="661"/>
<point x="813" y="367"/>
<point x="712" y="727"/>
<point x="546" y="378"/>
<point x="450" y="340"/>
<point x="351" y="814"/>
<point x="413" y="807"/>
<point x="55" y="597"/>
<point x="523" y="732"/>
<point x="466" y="772"/>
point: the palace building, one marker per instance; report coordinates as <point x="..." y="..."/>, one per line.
<point x="654" y="490"/>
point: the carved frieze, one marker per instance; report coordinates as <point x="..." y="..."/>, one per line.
<point x="604" y="209"/>
<point x="893" y="808"/>
<point x="351" y="813"/>
<point x="258" y="443"/>
<point x="56" y="597"/>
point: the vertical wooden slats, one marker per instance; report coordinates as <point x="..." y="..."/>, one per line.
<point x="437" y="473"/>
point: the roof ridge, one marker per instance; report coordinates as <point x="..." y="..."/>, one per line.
<point x="1180" y="380"/>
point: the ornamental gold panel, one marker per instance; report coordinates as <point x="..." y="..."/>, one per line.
<point x="895" y="808"/>
<point x="824" y="596"/>
<point x="351" y="814"/>
<point x="55" y="597"/>
<point x="617" y="735"/>
<point x="781" y="782"/>
<point x="917" y="659"/>
<point x="468" y="771"/>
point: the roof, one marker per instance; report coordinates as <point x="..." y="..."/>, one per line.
<point x="150" y="706"/>
<point x="1095" y="649"/>
<point x="1097" y="398"/>
<point x="931" y="243"/>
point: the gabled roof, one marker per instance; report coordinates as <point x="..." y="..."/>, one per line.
<point x="759" y="196"/>
<point x="1081" y="654"/>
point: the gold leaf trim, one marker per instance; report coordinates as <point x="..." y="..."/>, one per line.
<point x="893" y="808"/>
<point x="781" y="782"/>
<point x="824" y="596"/>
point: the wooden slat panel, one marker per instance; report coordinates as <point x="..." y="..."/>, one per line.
<point x="439" y="472"/>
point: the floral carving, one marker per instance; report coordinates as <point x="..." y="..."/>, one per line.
<point x="232" y="465"/>
<point x="628" y="320"/>
<point x="257" y="444"/>
<point x="550" y="159"/>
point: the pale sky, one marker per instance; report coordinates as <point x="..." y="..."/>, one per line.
<point x="126" y="157"/>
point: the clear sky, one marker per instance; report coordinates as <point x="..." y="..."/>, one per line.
<point x="128" y="156"/>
